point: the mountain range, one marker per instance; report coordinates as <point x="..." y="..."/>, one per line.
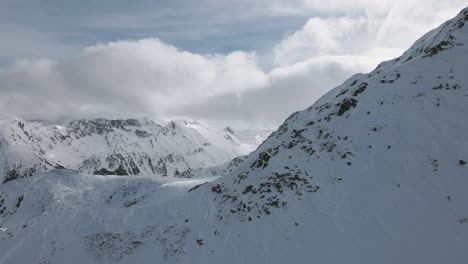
<point x="119" y="147"/>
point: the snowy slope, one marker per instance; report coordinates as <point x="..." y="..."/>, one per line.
<point x="374" y="172"/>
<point x="124" y="147"/>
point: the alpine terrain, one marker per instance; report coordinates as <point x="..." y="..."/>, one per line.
<point x="120" y="147"/>
<point x="375" y="171"/>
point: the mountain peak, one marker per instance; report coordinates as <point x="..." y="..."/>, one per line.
<point x="450" y="34"/>
<point x="404" y="116"/>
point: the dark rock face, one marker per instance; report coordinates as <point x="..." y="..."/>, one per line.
<point x="142" y="133"/>
<point x="18" y="172"/>
<point x="229" y="129"/>
<point x="119" y="171"/>
<point x="85" y="127"/>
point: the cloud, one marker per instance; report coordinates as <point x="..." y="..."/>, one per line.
<point x="318" y="37"/>
<point x="149" y="77"/>
<point x="322" y="54"/>
<point x="289" y="89"/>
<point x="123" y="78"/>
<point x="407" y="20"/>
<point x="362" y="27"/>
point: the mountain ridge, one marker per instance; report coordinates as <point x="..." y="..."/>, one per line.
<point x="340" y="104"/>
<point x="116" y="146"/>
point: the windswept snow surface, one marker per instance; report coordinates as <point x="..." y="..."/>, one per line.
<point x="374" y="172"/>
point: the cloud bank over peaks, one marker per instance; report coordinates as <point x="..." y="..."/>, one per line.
<point x="150" y="77"/>
<point x="123" y="78"/>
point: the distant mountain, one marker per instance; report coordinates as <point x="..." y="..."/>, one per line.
<point x="118" y="147"/>
<point x="375" y="171"/>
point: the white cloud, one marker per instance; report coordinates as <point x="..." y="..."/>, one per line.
<point x="124" y="78"/>
<point x="325" y="52"/>
<point x="152" y="78"/>
<point x="393" y="23"/>
<point x="318" y="37"/>
<point x="291" y="88"/>
<point x="407" y="20"/>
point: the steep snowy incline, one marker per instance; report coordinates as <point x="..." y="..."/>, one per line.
<point x="122" y="147"/>
<point x="382" y="157"/>
<point x="405" y="119"/>
<point x="374" y="172"/>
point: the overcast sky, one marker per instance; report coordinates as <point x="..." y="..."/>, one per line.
<point x="239" y="62"/>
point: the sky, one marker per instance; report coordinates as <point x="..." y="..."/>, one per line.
<point x="240" y="63"/>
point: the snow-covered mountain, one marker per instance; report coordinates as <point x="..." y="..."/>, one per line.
<point x="374" y="172"/>
<point x="119" y="147"/>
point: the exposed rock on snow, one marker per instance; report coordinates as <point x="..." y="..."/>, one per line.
<point x="119" y="147"/>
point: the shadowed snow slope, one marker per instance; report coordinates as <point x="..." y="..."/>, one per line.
<point x="374" y="172"/>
